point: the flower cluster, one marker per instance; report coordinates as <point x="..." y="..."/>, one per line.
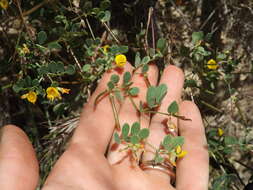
<point x="52" y="94"/>
<point x="212" y="64"/>
<point x="120" y="60"/>
<point x="24" y="50"/>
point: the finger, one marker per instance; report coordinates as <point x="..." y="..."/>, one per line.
<point x="192" y="170"/>
<point x="18" y="164"/>
<point x="96" y="125"/>
<point x="128" y="113"/>
<point x="173" y="77"/>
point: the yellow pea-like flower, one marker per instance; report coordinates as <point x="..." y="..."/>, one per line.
<point x="25" y="49"/>
<point x="105" y="48"/>
<point x="53" y="93"/>
<point x="4" y="4"/>
<point x="31" y="96"/>
<point x="220" y="132"/>
<point x="120" y="60"/>
<point x="179" y="152"/>
<point x="212" y="64"/>
<point x="64" y="90"/>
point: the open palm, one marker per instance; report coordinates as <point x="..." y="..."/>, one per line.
<point x="84" y="164"/>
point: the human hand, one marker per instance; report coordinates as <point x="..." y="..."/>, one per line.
<point x="84" y="166"/>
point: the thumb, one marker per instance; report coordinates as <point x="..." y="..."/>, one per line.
<point x="18" y="163"/>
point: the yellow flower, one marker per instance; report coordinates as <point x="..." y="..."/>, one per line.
<point x="220" y="132"/>
<point x="53" y="93"/>
<point x="212" y="64"/>
<point x="64" y="90"/>
<point x="105" y="48"/>
<point x="179" y="152"/>
<point x="120" y="60"/>
<point x="25" y="49"/>
<point x="31" y="96"/>
<point x="4" y="4"/>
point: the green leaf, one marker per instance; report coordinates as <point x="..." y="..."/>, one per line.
<point x="105" y="4"/>
<point x="104" y="16"/>
<point x="190" y="83"/>
<point x="59" y="67"/>
<point x="145" y="69"/>
<point x="176" y="141"/>
<point x="60" y="108"/>
<point x="17" y="88"/>
<point x="54" y="46"/>
<point x="70" y="70"/>
<point x="161" y="91"/>
<point x="123" y="49"/>
<point x="114" y="49"/>
<point x="35" y="82"/>
<point x="114" y="79"/>
<point x="137" y="61"/>
<point x="221" y="57"/>
<point x="117" y="138"/>
<point x="197" y="36"/>
<point x="151" y="97"/>
<point x="208" y="37"/>
<point x="42" y="37"/>
<point x="152" y="52"/>
<point x="86" y="68"/>
<point x="167" y="140"/>
<point x="125" y="130"/>
<point x="27" y="81"/>
<point x="43" y="70"/>
<point x="144" y="133"/>
<point x="110" y="85"/>
<point x="161" y="44"/>
<point x="134" y="139"/>
<point x="134" y="91"/>
<point x="228" y="150"/>
<point x="41" y="48"/>
<point x="145" y="60"/>
<point x="230" y="140"/>
<point x="126" y="78"/>
<point x="52" y="67"/>
<point x="135" y="128"/>
<point x="173" y="108"/>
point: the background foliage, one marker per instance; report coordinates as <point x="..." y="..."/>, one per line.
<point x="61" y="44"/>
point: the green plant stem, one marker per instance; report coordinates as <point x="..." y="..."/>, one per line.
<point x="135" y="106"/>
<point x="149" y="111"/>
<point x="111" y="32"/>
<point x="221" y="167"/>
<point x="7" y="86"/>
<point x="132" y="101"/>
<point x="115" y="114"/>
<point x="150" y="145"/>
<point x="88" y="24"/>
<point x="239" y="162"/>
<point x="211" y="106"/>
